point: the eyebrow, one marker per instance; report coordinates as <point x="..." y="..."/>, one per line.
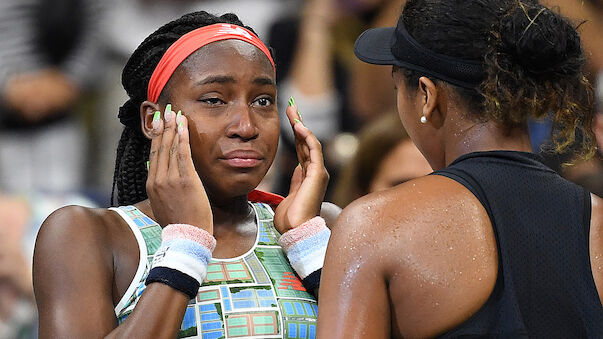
<point x="224" y="79"/>
<point x="220" y="79"/>
<point x="264" y="81"/>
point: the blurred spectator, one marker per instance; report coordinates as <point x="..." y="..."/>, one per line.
<point x="315" y="62"/>
<point x="316" y="65"/>
<point x="588" y="14"/>
<point x="20" y="220"/>
<point x="48" y="57"/>
<point x="385" y="158"/>
<point x="589" y="174"/>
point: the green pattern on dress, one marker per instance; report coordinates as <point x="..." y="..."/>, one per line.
<point x="257" y="294"/>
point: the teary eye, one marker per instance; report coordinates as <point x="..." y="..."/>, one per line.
<point x="263" y="102"/>
<point x="212" y="101"/>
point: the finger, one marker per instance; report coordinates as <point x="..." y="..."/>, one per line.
<point x="312" y="149"/>
<point x="155" y="143"/>
<point x="169" y="131"/>
<point x="295" y="118"/>
<point x="185" y="159"/>
<point x="296" y="180"/>
<point x="301" y="147"/>
<point x="173" y="170"/>
<point x="293" y="112"/>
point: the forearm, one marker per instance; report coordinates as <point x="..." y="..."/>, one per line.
<point x="158" y="314"/>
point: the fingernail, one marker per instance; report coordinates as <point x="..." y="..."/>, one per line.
<point x="297" y="120"/>
<point x="156" y="120"/>
<point x="179" y="122"/>
<point x="168" y="112"/>
<point x="291" y="101"/>
<point x="299" y="115"/>
<point x="147" y="165"/>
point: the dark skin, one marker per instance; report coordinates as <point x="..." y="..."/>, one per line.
<point x="85" y="259"/>
<point x="438" y="262"/>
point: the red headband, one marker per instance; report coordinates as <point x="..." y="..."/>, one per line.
<point x="192" y="41"/>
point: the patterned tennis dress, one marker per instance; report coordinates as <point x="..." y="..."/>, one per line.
<point x="255" y="295"/>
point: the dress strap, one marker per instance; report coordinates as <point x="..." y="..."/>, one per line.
<point x="142" y="262"/>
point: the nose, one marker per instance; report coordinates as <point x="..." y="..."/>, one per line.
<point x="242" y="124"/>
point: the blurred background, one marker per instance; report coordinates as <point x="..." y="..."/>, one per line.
<point x="60" y="92"/>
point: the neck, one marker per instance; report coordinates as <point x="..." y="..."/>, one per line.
<point x="229" y="211"/>
<point x="488" y="136"/>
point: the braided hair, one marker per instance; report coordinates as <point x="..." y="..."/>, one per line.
<point x="133" y="150"/>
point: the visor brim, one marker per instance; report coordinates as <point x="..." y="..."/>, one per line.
<point x="374" y="46"/>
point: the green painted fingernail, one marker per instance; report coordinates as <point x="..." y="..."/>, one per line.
<point x="299" y="115"/>
<point x="179" y="121"/>
<point x="147" y="165"/>
<point x="296" y="120"/>
<point x="157" y="116"/>
<point x="291" y="101"/>
<point x="168" y="109"/>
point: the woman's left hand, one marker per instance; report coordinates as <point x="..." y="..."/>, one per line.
<point x="309" y="181"/>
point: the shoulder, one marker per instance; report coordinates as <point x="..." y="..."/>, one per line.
<point x="596" y="242"/>
<point x="74" y="229"/>
<point x="596" y="228"/>
<point x="425" y="199"/>
<point x="432" y="242"/>
<point x="74" y="266"/>
<point x="423" y="217"/>
<point x="77" y="221"/>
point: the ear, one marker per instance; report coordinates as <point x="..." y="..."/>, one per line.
<point x="147" y="111"/>
<point x="434" y="102"/>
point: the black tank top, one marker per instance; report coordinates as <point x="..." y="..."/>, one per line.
<point x="545" y="287"/>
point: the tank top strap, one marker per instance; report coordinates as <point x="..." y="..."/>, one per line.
<point x="469" y="182"/>
<point x="148" y="236"/>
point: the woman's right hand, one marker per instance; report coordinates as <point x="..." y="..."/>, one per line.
<point x="175" y="191"/>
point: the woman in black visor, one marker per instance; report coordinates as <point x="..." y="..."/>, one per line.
<point x="493" y="243"/>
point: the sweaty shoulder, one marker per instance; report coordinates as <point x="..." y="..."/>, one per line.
<point x="596" y="242"/>
<point x="433" y="241"/>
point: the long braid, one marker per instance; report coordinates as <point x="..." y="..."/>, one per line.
<point x="133" y="150"/>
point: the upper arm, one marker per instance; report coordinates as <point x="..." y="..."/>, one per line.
<point x="596" y="242"/>
<point x="72" y="273"/>
<point x="353" y="292"/>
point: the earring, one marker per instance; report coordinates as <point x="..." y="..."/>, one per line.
<point x="423" y="119"/>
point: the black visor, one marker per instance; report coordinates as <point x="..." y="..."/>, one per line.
<point x="394" y="46"/>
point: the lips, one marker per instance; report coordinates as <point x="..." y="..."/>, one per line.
<point x="242" y="158"/>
